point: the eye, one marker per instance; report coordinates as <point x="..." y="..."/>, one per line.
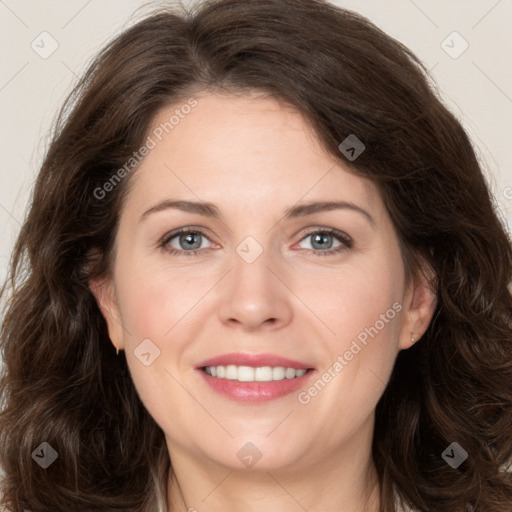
<point x="322" y="241"/>
<point x="184" y="241"/>
<point x="189" y="242"/>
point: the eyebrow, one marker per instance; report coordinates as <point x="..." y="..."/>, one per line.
<point x="207" y="209"/>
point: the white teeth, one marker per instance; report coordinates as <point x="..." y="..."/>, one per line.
<point x="278" y="373"/>
<point x="263" y="373"/>
<point x="253" y="374"/>
<point x="289" y="373"/>
<point x="231" y="372"/>
<point x="245" y="373"/>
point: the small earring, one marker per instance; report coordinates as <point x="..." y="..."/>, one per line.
<point x="413" y="340"/>
<point x="117" y="351"/>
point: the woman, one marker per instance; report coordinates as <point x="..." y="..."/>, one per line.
<point x="261" y="269"/>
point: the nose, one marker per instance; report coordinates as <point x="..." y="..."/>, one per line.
<point x="255" y="295"/>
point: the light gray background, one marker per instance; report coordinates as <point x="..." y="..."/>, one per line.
<point x="477" y="85"/>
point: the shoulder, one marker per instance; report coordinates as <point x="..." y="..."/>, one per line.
<point x="400" y="506"/>
<point x="404" y="508"/>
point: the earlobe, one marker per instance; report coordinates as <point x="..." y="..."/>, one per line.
<point x="420" y="305"/>
<point x="103" y="290"/>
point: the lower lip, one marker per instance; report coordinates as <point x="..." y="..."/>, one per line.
<point x="255" y="392"/>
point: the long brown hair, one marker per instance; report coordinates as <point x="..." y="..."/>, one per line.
<point x="62" y="382"/>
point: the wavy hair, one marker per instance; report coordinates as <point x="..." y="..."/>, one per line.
<point x="62" y="383"/>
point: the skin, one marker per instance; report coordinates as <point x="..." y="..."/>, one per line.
<point x="254" y="158"/>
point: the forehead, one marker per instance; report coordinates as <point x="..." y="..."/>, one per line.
<point x="249" y="149"/>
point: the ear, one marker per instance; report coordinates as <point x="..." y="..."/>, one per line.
<point x="103" y="290"/>
<point x="419" y="306"/>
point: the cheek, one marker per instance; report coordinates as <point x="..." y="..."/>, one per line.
<point x="155" y="306"/>
<point x="152" y="301"/>
<point x="364" y="315"/>
<point x="353" y="298"/>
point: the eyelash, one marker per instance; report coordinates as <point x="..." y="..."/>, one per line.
<point x="346" y="241"/>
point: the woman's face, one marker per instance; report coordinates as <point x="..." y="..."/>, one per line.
<point x="271" y="277"/>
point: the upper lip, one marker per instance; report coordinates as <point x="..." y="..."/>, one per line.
<point x="241" y="359"/>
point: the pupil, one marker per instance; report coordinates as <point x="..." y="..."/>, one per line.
<point x="189" y="239"/>
<point x="320" y="238"/>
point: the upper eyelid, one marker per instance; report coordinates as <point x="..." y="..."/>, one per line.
<point x="174" y="233"/>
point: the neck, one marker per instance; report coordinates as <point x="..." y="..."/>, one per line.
<point x="345" y="481"/>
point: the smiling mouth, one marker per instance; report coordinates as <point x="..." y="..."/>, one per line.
<point x="254" y="374"/>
